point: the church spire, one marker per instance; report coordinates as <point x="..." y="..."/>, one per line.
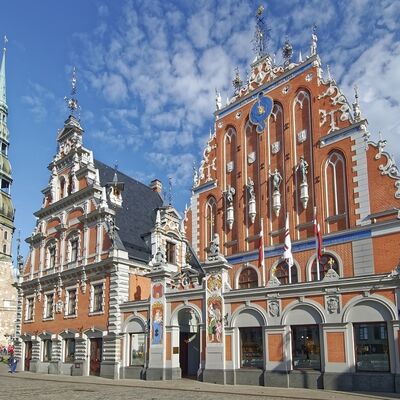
<point x="3" y="95"/>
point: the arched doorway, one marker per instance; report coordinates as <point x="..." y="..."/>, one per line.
<point x="189" y="342"/>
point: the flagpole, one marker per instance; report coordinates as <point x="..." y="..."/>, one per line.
<point x="262" y="249"/>
<point x="316" y="242"/>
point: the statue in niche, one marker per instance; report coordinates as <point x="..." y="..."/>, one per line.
<point x="160" y="256"/>
<point x="303" y="168"/>
<point x="230" y="192"/>
<point x="276" y="179"/>
<point x="250" y="188"/>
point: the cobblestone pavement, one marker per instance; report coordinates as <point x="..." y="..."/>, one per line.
<point x="29" y="386"/>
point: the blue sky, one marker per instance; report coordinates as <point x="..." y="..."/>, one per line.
<point x="147" y="73"/>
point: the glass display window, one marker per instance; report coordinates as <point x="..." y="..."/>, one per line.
<point x="306" y="349"/>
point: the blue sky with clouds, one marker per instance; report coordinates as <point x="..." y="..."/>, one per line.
<point x="147" y="73"/>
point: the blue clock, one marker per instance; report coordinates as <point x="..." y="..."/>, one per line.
<point x="260" y="111"/>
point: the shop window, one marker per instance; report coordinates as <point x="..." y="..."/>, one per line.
<point x="306" y="347"/>
<point x="251" y="348"/>
<point x="248" y="278"/>
<point x="49" y="305"/>
<point x="47" y="348"/>
<point x="282" y="273"/>
<point x="137" y="345"/>
<point x="71" y="302"/>
<point x="372" y="347"/>
<point x="326" y="263"/>
<point x="171" y="253"/>
<point x="69" y="350"/>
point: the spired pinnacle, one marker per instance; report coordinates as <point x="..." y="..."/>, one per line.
<point x="237" y="81"/>
<point x="72" y="102"/>
<point x="261" y="34"/>
<point x="287" y="52"/>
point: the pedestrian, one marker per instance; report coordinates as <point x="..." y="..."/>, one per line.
<point x="12" y="363"/>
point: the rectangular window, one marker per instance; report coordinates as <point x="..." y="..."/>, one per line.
<point x="71" y="303"/>
<point x="372" y="351"/>
<point x="251" y="348"/>
<point x="29" y="309"/>
<point x="52" y="257"/>
<point x="97" y="298"/>
<point x="69" y="350"/>
<point x="74" y="250"/>
<point x="49" y="305"/>
<point x="306" y="347"/>
<point x="363" y="332"/>
<point x="137" y="348"/>
<point x="47" y="348"/>
<point x="171" y="253"/>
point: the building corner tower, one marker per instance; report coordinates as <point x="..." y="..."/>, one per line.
<point x="7" y="291"/>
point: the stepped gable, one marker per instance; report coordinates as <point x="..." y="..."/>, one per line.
<point x="136" y="216"/>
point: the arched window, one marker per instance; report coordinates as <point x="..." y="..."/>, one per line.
<point x="211" y="216"/>
<point x="335" y="188"/>
<point x="248" y="278"/>
<point x="326" y="263"/>
<point x="282" y="273"/>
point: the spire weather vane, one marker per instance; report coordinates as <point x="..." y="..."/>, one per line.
<point x="72" y="102"/>
<point x="5" y="43"/>
<point x="261" y="35"/>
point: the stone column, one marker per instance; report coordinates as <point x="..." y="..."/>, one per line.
<point x="157" y="367"/>
<point x="80" y="366"/>
<point x="99" y="241"/>
<point x="216" y="282"/>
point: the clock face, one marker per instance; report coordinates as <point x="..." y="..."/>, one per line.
<point x="260" y="111"/>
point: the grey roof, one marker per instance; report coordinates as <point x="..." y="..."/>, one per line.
<point x="137" y="214"/>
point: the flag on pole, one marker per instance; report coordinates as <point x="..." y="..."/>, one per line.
<point x="261" y="247"/>
<point x="287" y="253"/>
<point x="318" y="236"/>
<point x="318" y="242"/>
<point x="261" y="261"/>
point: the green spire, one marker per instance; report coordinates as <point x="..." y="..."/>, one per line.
<point x="3" y="95"/>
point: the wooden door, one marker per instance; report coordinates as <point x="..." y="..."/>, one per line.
<point x="183" y="353"/>
<point x="28" y="355"/>
<point x="96" y="347"/>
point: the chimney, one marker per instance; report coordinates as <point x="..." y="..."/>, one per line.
<point x="156" y="185"/>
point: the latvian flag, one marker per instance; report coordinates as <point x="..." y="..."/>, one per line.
<point x="318" y="236"/>
<point x="261" y="247"/>
<point x="287" y="253"/>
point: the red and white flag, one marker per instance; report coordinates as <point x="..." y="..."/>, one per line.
<point x="261" y="247"/>
<point x="287" y="253"/>
<point x="318" y="236"/>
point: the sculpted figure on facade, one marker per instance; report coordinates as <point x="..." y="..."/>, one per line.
<point x="302" y="167"/>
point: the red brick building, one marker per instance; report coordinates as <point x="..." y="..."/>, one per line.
<point x="287" y="150"/>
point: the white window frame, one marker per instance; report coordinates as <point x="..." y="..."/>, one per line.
<point x="51" y="245"/>
<point x="66" y="308"/>
<point x="27" y="308"/>
<point x="45" y="317"/>
<point x="75" y="236"/>
<point x="91" y="305"/>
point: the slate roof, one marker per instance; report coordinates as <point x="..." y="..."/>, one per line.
<point x="137" y="215"/>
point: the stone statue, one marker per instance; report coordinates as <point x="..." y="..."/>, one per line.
<point x="303" y="168"/>
<point x="332" y="305"/>
<point x="314" y="40"/>
<point x="214" y="250"/>
<point x="250" y="188"/>
<point x="218" y="100"/>
<point x="276" y="179"/>
<point x="159" y="256"/>
<point x="230" y="192"/>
